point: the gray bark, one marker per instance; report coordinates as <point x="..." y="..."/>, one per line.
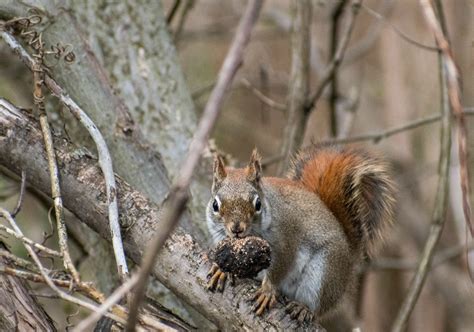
<point x="135" y="55"/>
<point x="19" y="311"/>
<point x="132" y="42"/>
<point x="182" y="266"/>
<point x="297" y="115"/>
<point x="86" y="81"/>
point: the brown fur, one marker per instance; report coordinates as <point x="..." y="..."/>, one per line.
<point x="319" y="221"/>
<point x="354" y="185"/>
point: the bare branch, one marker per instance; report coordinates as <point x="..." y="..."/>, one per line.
<point x="119" y="313"/>
<point x="63" y="295"/>
<point x="38" y="76"/>
<point x="21" y="195"/>
<point x="454" y="93"/>
<point x="373" y="32"/>
<point x="105" y="160"/>
<point x="182" y="19"/>
<point x="299" y="77"/>
<point x="400" y="33"/>
<point x="266" y="100"/>
<point x="441" y="257"/>
<point x="17" y="261"/>
<point x="179" y="192"/>
<point x="19" y="310"/>
<point x="173" y="11"/>
<point x="376" y="137"/>
<point x="198" y="93"/>
<point x="30" y="242"/>
<point x="334" y="94"/>
<point x="113" y="299"/>
<point x="338" y="57"/>
<point x="182" y="266"/>
<point x="439" y="213"/>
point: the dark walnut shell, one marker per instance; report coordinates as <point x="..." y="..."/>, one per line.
<point x="244" y="258"/>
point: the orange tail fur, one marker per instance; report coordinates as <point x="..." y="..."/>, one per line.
<point x="354" y="185"/>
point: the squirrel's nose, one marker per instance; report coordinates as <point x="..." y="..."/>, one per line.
<point x="236" y="230"/>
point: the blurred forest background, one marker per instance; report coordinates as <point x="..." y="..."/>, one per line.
<point x="385" y="81"/>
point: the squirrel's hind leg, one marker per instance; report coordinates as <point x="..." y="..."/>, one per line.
<point x="299" y="311"/>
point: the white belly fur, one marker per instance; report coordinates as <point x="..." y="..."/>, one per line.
<point x="304" y="281"/>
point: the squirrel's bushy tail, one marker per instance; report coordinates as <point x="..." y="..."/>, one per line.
<point x="354" y="185"/>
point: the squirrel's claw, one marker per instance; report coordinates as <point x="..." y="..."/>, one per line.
<point x="299" y="311"/>
<point x="263" y="300"/>
<point x="216" y="278"/>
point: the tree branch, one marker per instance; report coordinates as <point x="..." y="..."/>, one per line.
<point x="338" y="56"/>
<point x="334" y="86"/>
<point x="454" y="94"/>
<point x="179" y="192"/>
<point x="182" y="265"/>
<point x="19" y="311"/>
<point x="105" y="160"/>
<point x="296" y="116"/>
<point x="376" y="137"/>
<point x="439" y="213"/>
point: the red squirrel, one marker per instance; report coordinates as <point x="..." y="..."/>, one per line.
<point x="321" y="221"/>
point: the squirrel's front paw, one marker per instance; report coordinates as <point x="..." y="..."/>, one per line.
<point x="217" y="278"/>
<point x="299" y="311"/>
<point x="265" y="297"/>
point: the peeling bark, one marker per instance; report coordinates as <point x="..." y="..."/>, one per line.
<point x="19" y="311"/>
<point x="182" y="266"/>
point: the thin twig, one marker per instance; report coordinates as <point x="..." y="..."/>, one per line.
<point x="52" y="164"/>
<point x="44" y="274"/>
<point x="105" y="160"/>
<point x="404" y="264"/>
<point x="179" y="192"/>
<point x="376" y="137"/>
<point x="112" y="300"/>
<point x="334" y="94"/>
<point x="119" y="313"/>
<point x="44" y="295"/>
<point x="17" y="261"/>
<point x="400" y="33"/>
<point x="266" y="100"/>
<point x="296" y="115"/>
<point x="338" y="57"/>
<point x="454" y="93"/>
<point x="182" y="19"/>
<point x="21" y="196"/>
<point x="365" y="44"/>
<point x="439" y="213"/>
<point x="30" y="242"/>
<point x="198" y="93"/>
<point x="173" y="11"/>
<point x="348" y="105"/>
<point x="181" y="261"/>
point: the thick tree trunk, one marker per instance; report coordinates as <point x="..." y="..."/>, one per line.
<point x="85" y="80"/>
<point x="152" y="120"/>
<point x="182" y="266"/>
<point x="132" y="42"/>
<point x="19" y="311"/>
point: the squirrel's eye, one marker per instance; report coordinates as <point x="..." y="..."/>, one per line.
<point x="215" y="206"/>
<point x="258" y="204"/>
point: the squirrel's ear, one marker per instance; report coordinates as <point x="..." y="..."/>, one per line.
<point x="254" y="169"/>
<point x="219" y="172"/>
